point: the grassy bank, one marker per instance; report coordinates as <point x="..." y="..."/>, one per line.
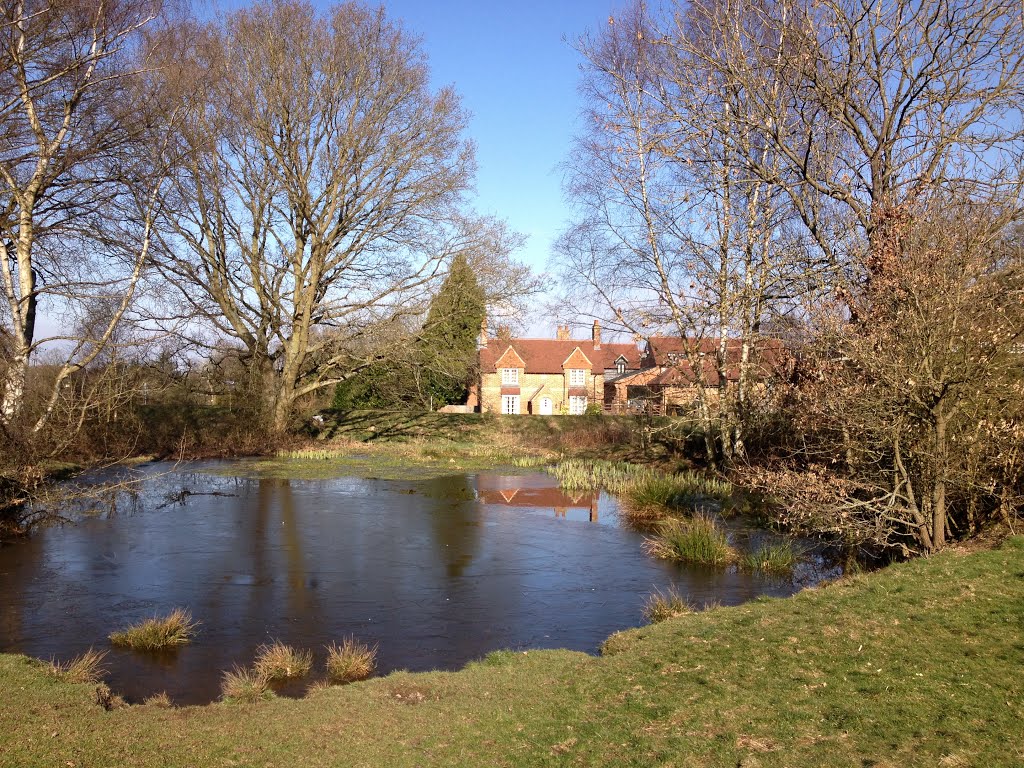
<point x="404" y="445"/>
<point x="914" y="665"/>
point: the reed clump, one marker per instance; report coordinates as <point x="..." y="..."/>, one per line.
<point x="697" y="540"/>
<point x="526" y="462"/>
<point x="350" y="660"/>
<point x="86" y="668"/>
<point x="589" y="474"/>
<point x="339" y="449"/>
<point x="246" y="685"/>
<point x="649" y="493"/>
<point x="665" y="605"/>
<point x="174" y="629"/>
<point x="277" y="661"/>
<point x="776" y="558"/>
<point x="683" y="490"/>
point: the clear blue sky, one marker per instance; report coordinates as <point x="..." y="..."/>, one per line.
<point x="514" y="66"/>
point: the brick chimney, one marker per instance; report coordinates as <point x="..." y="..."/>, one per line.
<point x="597" y="334"/>
<point x="562" y="334"/>
<point x="481" y="342"/>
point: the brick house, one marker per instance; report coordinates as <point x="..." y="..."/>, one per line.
<point x="549" y="376"/>
<point x="666" y="378"/>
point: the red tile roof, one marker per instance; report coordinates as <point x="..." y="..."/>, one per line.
<point x="669" y="353"/>
<point x="548" y="355"/>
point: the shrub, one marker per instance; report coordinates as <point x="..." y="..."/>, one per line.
<point x="776" y="558"/>
<point x="350" y="661"/>
<point x="697" y="540"/>
<point x="278" y="661"/>
<point x="86" y="668"/>
<point x="177" y="628"/>
<point x="665" y="605"/>
<point x="246" y="685"/>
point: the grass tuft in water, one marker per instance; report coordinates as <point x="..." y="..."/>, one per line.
<point x="278" y="661"/>
<point x="177" y="628"/>
<point x="777" y="558"/>
<point x="87" y="668"/>
<point x="665" y="605"/>
<point x="350" y="661"/>
<point x="246" y="685"/>
<point x="697" y="540"/>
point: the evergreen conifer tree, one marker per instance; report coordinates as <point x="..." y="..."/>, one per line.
<point x="448" y="342"/>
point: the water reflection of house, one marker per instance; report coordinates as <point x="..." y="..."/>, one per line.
<point x="534" y="492"/>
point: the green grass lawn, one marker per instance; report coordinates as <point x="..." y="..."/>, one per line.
<point x="919" y="664"/>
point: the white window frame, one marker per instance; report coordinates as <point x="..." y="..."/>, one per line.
<point x="510" y="377"/>
<point x="577" y="377"/>
<point x="510" y="404"/>
<point x="577" y="405"/>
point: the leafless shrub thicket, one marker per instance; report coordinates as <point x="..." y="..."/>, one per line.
<point x="849" y="171"/>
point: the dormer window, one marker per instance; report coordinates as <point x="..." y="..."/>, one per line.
<point x="577" y="377"/>
<point x="620" y="365"/>
<point x="510" y="377"/>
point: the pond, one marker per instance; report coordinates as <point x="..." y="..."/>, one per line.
<point x="435" y="572"/>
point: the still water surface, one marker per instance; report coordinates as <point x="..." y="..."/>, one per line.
<point x="436" y="572"/>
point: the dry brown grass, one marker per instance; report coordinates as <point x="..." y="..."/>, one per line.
<point x="159" y="700"/>
<point x="278" y="661"/>
<point x="350" y="661"/>
<point x="87" y="668"/>
<point x="660" y="606"/>
<point x="317" y="686"/>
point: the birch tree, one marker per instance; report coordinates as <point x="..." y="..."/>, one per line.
<point x="75" y="211"/>
<point x="674" y="235"/>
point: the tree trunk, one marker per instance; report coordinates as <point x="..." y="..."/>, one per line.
<point x="939" y="491"/>
<point x="708" y="426"/>
<point x="14" y="387"/>
<point x="283" y="405"/>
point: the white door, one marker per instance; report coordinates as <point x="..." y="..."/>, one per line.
<point x="545" y="406"/>
<point x="510" y="403"/>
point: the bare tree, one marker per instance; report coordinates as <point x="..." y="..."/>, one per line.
<point x="674" y="234"/>
<point x="865" y="104"/>
<point x="69" y="122"/>
<point x="319" y="190"/>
